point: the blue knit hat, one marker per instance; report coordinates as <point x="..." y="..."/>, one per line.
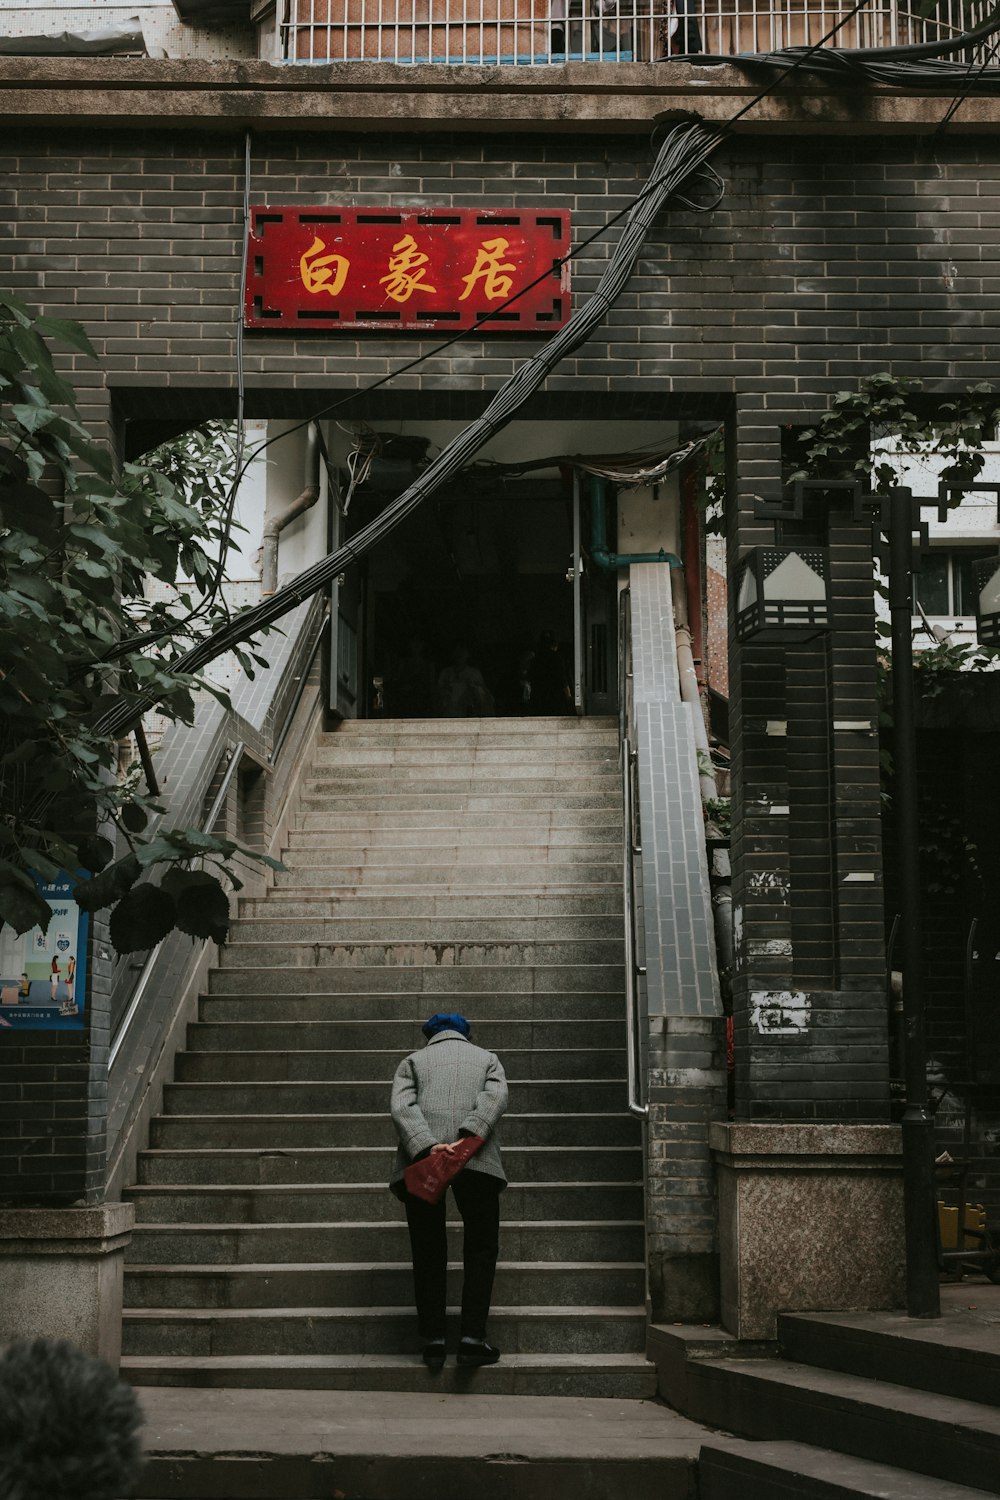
<point x="442" y="1022"/>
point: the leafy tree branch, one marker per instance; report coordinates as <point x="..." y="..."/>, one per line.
<point x="79" y="544"/>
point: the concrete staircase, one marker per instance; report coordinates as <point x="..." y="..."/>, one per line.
<point x="874" y="1405"/>
<point x="437" y="864"/>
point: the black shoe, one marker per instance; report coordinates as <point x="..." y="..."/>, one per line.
<point x="477" y="1352"/>
<point x="434" y="1353"/>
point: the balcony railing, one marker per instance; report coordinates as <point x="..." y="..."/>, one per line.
<point x="535" y="33"/>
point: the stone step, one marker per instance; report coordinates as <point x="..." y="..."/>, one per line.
<point x="543" y="876"/>
<point x="370" y="1202"/>
<point x="475" y="850"/>
<point x="958" y="1355"/>
<point x="926" y="1432"/>
<point x="315" y="882"/>
<point x="431" y="982"/>
<point x="517" y="842"/>
<point x="592" y="725"/>
<point x="434" y="827"/>
<point x="353" y="1066"/>
<point x="478" y="799"/>
<point x="536" y="1096"/>
<point x="541" y="1241"/>
<point x="466" y="781"/>
<point x="295" y="1132"/>
<point x="398" y="1036"/>
<point x="623" y="1376"/>
<point x="411" y="1008"/>
<point x="547" y="759"/>
<point x="400" y="905"/>
<point x="350" y="1163"/>
<point x="213" y="1332"/>
<point x="419" y="954"/>
<point x="729" y="1469"/>
<point x="566" y="1284"/>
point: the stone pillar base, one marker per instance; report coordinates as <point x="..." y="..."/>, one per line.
<point x="62" y="1272"/>
<point x="811" y="1220"/>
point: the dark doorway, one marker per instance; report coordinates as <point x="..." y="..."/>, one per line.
<point x="483" y="565"/>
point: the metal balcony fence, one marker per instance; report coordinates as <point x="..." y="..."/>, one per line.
<point x="535" y="33"/>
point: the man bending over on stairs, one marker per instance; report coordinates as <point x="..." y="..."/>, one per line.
<point x="448" y="1090"/>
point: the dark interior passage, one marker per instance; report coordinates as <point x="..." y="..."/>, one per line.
<point x="483" y="566"/>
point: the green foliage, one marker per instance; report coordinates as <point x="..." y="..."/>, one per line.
<point x="78" y="543"/>
<point x="938" y="665"/>
<point x="951" y="436"/>
<point x="949" y="856"/>
<point x="720" y="811"/>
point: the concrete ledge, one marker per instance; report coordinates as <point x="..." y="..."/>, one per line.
<point x="392" y="1446"/>
<point x="62" y="1273"/>
<point x="811" y="1220"/>
<point x="624" y="98"/>
<point x="769" y="1147"/>
<point x="62" y="1231"/>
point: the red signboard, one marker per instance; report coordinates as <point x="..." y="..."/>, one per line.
<point x="412" y="270"/>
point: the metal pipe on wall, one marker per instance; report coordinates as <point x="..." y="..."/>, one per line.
<point x="302" y="502"/>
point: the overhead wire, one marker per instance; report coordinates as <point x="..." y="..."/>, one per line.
<point x="965" y="92"/>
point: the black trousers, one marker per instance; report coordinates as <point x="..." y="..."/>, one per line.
<point x="478" y="1197"/>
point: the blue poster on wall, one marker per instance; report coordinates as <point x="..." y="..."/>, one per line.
<point x="43" y="975"/>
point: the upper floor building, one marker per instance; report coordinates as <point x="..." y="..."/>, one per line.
<point x="505" y="33"/>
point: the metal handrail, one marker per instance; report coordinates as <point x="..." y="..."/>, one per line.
<point x="293" y="707"/>
<point x="208" y="823"/>
<point x="632" y="969"/>
<point x="631" y="846"/>
<point x="146" y="972"/>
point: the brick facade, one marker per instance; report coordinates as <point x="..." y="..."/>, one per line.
<point x="817" y="268"/>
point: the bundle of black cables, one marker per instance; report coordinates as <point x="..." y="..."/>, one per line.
<point x="914" y="65"/>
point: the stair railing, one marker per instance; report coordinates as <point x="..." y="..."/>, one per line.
<point x="631" y="849"/>
<point x="264" y="737"/>
<point x="208" y="824"/>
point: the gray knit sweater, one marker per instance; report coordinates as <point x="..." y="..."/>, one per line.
<point x="448" y="1087"/>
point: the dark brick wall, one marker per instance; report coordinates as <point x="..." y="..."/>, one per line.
<point x="806" y="856"/>
<point x="53" y="1101"/>
<point x="819" y="266"/>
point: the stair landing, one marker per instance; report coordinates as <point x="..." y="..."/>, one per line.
<point x="255" y="1445"/>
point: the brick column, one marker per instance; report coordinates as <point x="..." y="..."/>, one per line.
<point x="811" y="1032"/>
<point x="811" y="1028"/>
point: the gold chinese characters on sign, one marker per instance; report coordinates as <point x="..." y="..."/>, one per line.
<point x="407" y="269"/>
<point x="408" y="266"/>
<point x="323" y="273"/>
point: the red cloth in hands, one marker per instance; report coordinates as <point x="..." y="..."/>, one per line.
<point x="429" y="1178"/>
